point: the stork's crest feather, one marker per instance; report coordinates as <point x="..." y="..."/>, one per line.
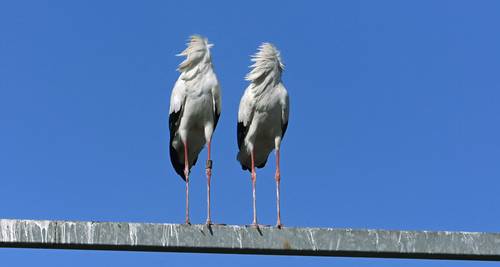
<point x="197" y="51"/>
<point x="267" y="62"/>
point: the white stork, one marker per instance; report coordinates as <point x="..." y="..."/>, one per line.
<point x="195" y="106"/>
<point x="263" y="118"/>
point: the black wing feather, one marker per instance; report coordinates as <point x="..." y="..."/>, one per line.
<point x="173" y="125"/>
<point x="216" y="117"/>
<point x="262" y="165"/>
<point x="241" y="133"/>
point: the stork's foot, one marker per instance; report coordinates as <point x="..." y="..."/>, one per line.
<point x="279" y="225"/>
<point x="254" y="224"/>
<point x="258" y="225"/>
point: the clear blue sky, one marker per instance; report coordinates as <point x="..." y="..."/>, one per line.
<point x="394" y="123"/>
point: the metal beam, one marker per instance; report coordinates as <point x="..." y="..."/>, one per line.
<point x="249" y="240"/>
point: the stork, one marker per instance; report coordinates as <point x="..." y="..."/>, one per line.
<point x="263" y="118"/>
<point x="195" y="106"/>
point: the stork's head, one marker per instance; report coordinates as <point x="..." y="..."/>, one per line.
<point x="267" y="63"/>
<point x="197" y="51"/>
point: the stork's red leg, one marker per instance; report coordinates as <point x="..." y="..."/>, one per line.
<point x="254" y="178"/>
<point x="208" y="171"/>
<point x="186" y="175"/>
<point x="278" y="178"/>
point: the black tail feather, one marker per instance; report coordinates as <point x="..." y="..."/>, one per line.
<point x="243" y="167"/>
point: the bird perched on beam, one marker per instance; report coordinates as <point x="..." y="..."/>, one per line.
<point x="263" y="118"/>
<point x="195" y="106"/>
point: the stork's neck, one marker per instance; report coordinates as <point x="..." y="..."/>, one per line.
<point x="266" y="83"/>
<point x="197" y="70"/>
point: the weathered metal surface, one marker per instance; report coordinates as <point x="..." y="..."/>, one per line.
<point x="249" y="240"/>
